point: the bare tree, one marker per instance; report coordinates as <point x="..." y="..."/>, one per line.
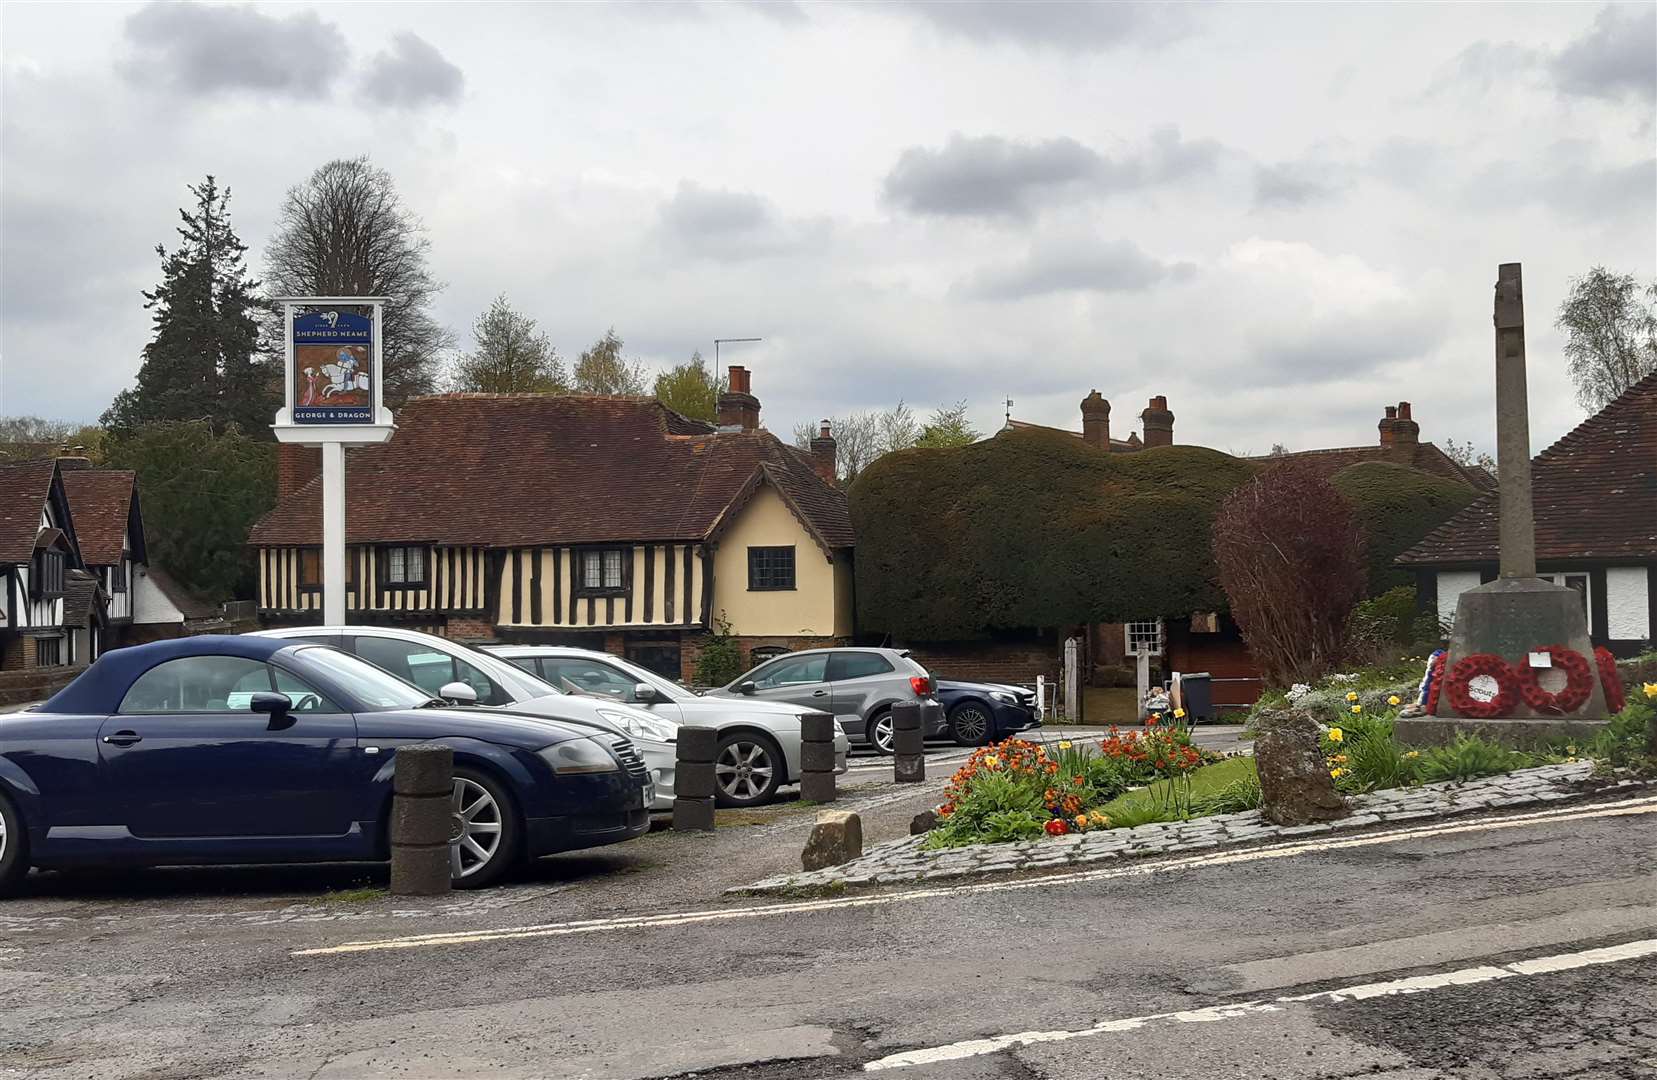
<point x="1464" y="454"/>
<point x="602" y="370"/>
<point x="1610" y="324"/>
<point x="345" y="232"/>
<point x="510" y="356"/>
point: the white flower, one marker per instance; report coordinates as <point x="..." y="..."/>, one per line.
<point x="1298" y="691"/>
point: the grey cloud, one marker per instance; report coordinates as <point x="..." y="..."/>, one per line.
<point x="205" y="49"/>
<point x="1484" y="65"/>
<point x="410" y="74"/>
<point x="1290" y="185"/>
<point x="1615" y="59"/>
<point x="723" y="224"/>
<point x="1066" y="27"/>
<point x="989" y="176"/>
<point x="1569" y="184"/>
<point x="1067" y="265"/>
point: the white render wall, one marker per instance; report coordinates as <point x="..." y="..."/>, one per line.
<point x="1627" y="603"/>
<point x="149" y="603"/>
<point x="1451" y="584"/>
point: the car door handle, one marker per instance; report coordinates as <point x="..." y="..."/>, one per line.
<point x="123" y="738"/>
<point x="819" y="693"/>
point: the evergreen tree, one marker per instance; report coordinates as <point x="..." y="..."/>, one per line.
<point x="202" y="363"/>
<point x="691" y="390"/>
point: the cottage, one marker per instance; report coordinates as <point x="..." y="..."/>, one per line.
<point x="1595" y="498"/>
<point x="612" y="522"/>
<point x="38" y="552"/>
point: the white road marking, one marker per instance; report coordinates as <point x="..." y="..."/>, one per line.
<point x="1646" y="805"/>
<point x="1417" y="984"/>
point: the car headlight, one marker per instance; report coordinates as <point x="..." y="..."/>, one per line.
<point x="641" y="727"/>
<point x="578" y="756"/>
<point x="998" y="695"/>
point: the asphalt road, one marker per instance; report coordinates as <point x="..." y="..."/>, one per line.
<point x="1507" y="947"/>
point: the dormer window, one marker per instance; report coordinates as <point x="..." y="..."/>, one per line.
<point x="48" y="577"/>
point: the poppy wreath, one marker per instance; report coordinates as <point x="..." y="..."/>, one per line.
<point x="1610" y="681"/>
<point x="1457" y="686"/>
<point x="1435" y="682"/>
<point x="1579" y="682"/>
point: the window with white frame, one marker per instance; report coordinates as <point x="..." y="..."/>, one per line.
<point x="1578" y="581"/>
<point x="404" y="565"/>
<point x="1143" y="638"/>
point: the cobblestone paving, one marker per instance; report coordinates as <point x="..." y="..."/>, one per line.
<point x="903" y="860"/>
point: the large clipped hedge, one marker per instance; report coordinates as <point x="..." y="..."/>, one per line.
<point x="1035" y="529"/>
<point x="1397" y="506"/>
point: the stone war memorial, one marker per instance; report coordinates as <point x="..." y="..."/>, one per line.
<point x="1520" y="666"/>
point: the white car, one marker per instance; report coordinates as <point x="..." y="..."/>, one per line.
<point x="759" y="741"/>
<point x="466" y="676"/>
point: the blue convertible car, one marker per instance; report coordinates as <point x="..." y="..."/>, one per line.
<point x="260" y="750"/>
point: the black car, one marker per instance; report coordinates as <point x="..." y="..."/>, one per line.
<point x="979" y="713"/>
<point x="258" y="750"/>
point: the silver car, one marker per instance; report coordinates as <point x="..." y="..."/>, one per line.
<point x="859" y="686"/>
<point x="466" y="676"/>
<point x="759" y="741"/>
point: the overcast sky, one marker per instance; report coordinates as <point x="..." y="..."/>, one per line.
<point x="1280" y="217"/>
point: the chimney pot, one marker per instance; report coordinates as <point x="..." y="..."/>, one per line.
<point x="823" y="449"/>
<point x="1406" y="432"/>
<point x="1096" y="420"/>
<point x="1403" y="410"/>
<point x="738" y="408"/>
<point x="1158" y="423"/>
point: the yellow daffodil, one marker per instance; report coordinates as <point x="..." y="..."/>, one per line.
<point x="1651" y="689"/>
<point x="1412" y="754"/>
<point x="1339" y="759"/>
<point x="1352" y="695"/>
<point x="992" y="761"/>
<point x="1336" y="734"/>
<point x="1335" y="774"/>
<point x="1395" y="700"/>
<point x="1356" y="709"/>
<point x="1179" y="714"/>
<point x="1064" y="745"/>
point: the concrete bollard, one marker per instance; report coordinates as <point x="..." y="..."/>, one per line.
<point x="908" y="743"/>
<point x="424" y="825"/>
<point x="817" y="757"/>
<point x="693" y="778"/>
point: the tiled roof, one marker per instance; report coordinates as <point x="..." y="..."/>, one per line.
<point x="510" y="470"/>
<point x="82" y="598"/>
<point x="1594" y="493"/>
<point x="1130" y="443"/>
<point x="101" y="500"/>
<point x="1426" y="457"/>
<point x="23" y="491"/>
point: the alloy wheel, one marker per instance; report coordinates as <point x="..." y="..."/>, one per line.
<point x="884" y="737"/>
<point x="2" y="837"/>
<point x="972" y="725"/>
<point x="478" y="825"/>
<point x="744" y="770"/>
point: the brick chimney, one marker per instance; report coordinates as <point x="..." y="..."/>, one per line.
<point x="70" y="459"/>
<point x="823" y="449"/>
<point x="1406" y="432"/>
<point x="1159" y="423"/>
<point x="738" y="407"/>
<point x="1096" y="421"/>
<point x="295" y="465"/>
<point x="1389" y="427"/>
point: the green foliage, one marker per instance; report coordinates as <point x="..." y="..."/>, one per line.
<point x="1384" y="623"/>
<point x="1123" y="536"/>
<point x="1468" y="758"/>
<point x="201" y="491"/>
<point x="602" y="370"/>
<point x="1623" y="740"/>
<point x="1240" y="795"/>
<point x="1140" y="810"/>
<point x="1610" y="325"/>
<point x="947" y="427"/>
<point x="721" y="659"/>
<point x="1396" y="506"/>
<point x="201" y="364"/>
<point x="691" y="389"/>
<point x="510" y="356"/>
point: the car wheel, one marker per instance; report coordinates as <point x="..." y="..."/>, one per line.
<point x="881" y="736"/>
<point x="970" y="724"/>
<point x="747" y="769"/>
<point x="489" y="837"/>
<point x="14" y="848"/>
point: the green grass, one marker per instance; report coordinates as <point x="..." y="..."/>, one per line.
<point x="364" y="895"/>
<point x="1209" y="780"/>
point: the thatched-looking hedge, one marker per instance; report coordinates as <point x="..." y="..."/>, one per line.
<point x="1397" y="506"/>
<point x="1037" y="529"/>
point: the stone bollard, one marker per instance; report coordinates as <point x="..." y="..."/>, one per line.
<point x="836" y="838"/>
<point x="1295" y="785"/>
<point x="424" y="825"/>
<point x="693" y="779"/>
<point x="908" y="742"/>
<point x="817" y="757"/>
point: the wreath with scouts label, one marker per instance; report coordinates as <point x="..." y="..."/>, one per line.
<point x="1458" y="686"/>
<point x="1610" y="681"/>
<point x="1579" y="681"/>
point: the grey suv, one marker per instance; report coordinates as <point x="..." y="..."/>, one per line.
<point x="859" y="686"/>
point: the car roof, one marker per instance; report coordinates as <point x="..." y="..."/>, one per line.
<point x="354" y="631"/>
<point x="539" y="650"/>
<point x="99" y="688"/>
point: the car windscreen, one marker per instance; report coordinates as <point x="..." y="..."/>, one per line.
<point x="523" y="684"/>
<point x="374" y="689"/>
<point x="645" y="675"/>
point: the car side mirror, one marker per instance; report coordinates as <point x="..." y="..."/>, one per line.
<point x="271" y="704"/>
<point x="458" y="693"/>
<point x="644" y="693"/>
<point x="745" y="687"/>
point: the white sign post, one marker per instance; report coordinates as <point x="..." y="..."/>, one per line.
<point x="335" y="397"/>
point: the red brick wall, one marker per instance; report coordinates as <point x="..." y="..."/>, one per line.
<point x="35" y="684"/>
<point x="1223" y="655"/>
<point x="294" y="466"/>
<point x="690" y="649"/>
<point x="1011" y="661"/>
<point x="469" y="629"/>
